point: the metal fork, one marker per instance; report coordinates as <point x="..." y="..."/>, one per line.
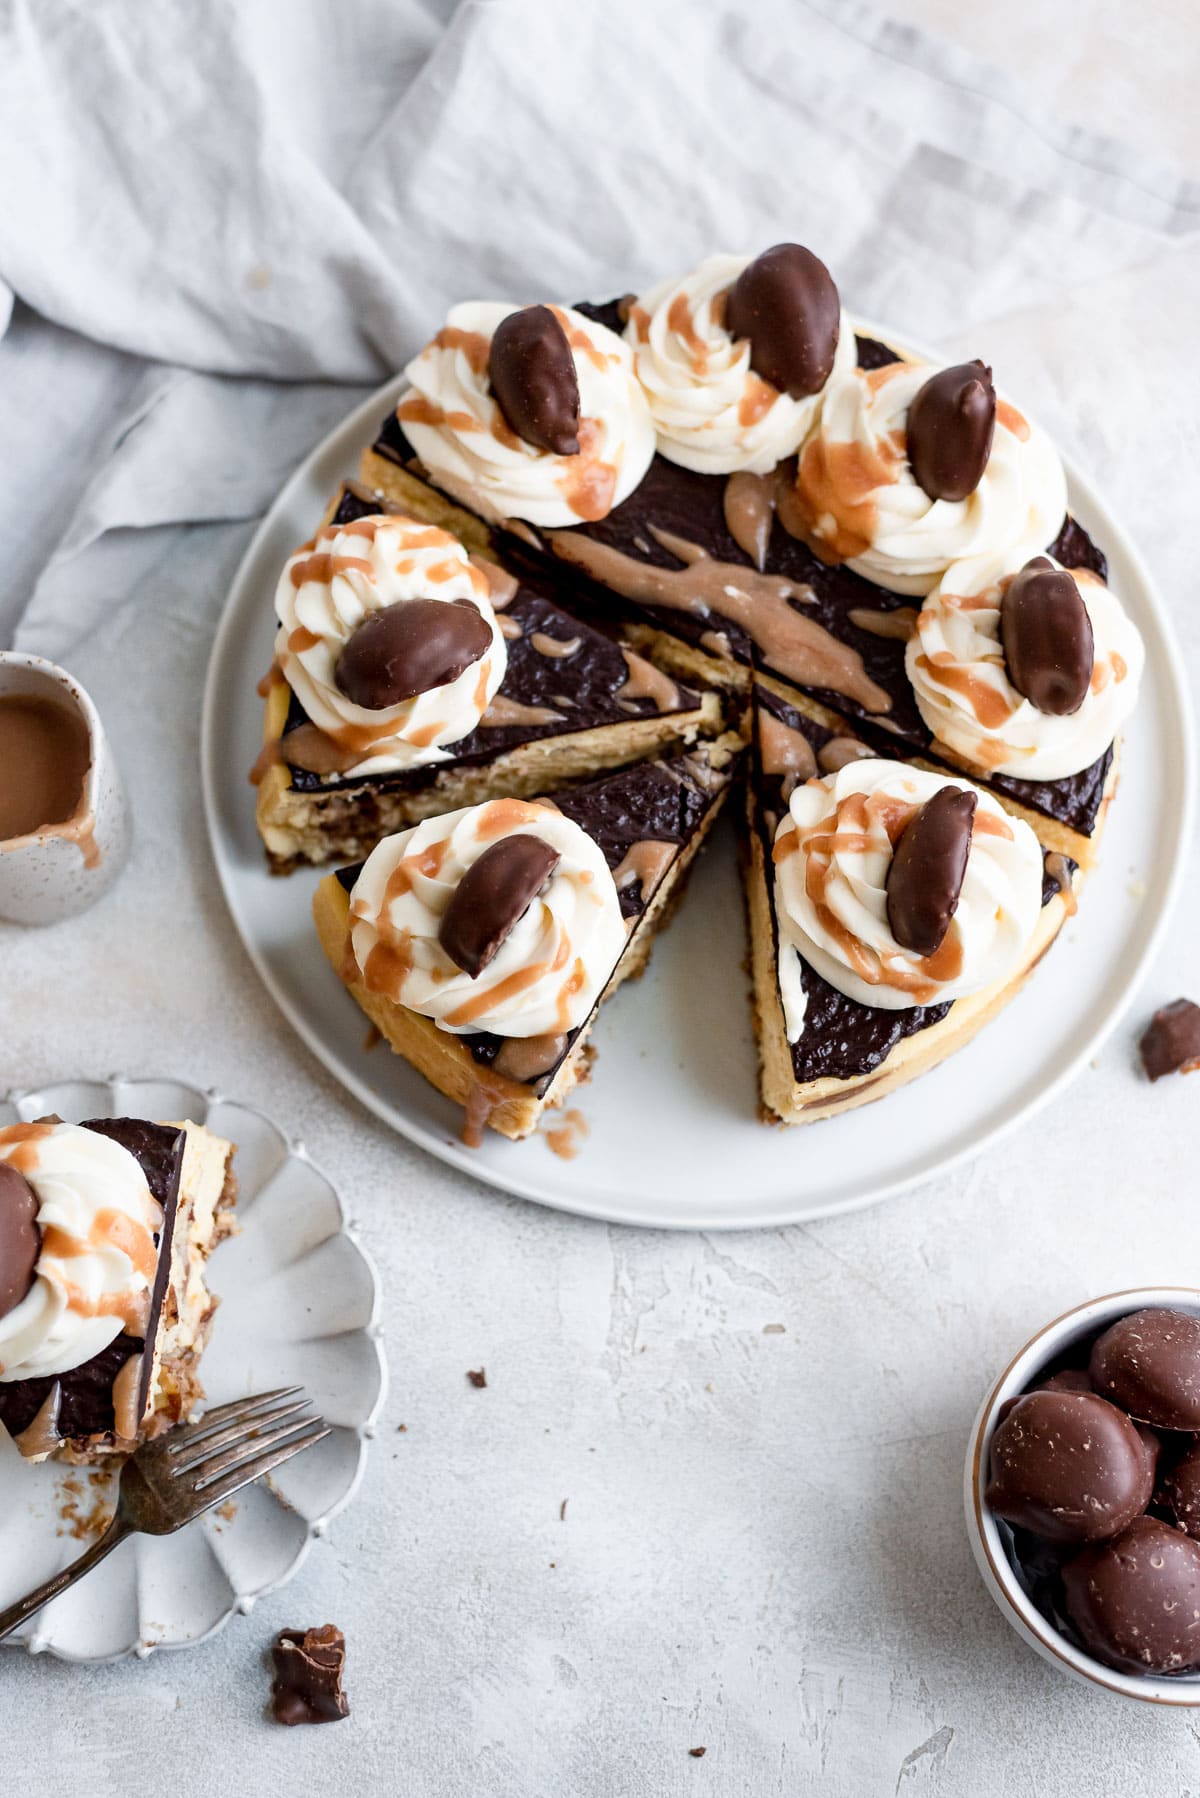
<point x="180" y="1475"/>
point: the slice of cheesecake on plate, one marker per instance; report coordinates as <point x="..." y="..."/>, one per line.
<point x="105" y="1232"/>
<point x="481" y="943"/>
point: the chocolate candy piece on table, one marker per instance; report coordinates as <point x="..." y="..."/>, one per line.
<point x="1149" y="1364"/>
<point x="786" y="303"/>
<point x="307" y="1687"/>
<point x="1171" y="1041"/>
<point x="925" y="879"/>
<point x="20" y="1238"/>
<point x="402" y="650"/>
<point x="1049" y="648"/>
<point x="1135" y="1599"/>
<point x="493" y="896"/>
<point x="951" y="422"/>
<point x="1070" y="1467"/>
<point x="533" y="378"/>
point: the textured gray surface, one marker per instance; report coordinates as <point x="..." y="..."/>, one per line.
<point x="762" y="1551"/>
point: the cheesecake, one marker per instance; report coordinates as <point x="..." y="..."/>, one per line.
<point x="106" y="1228"/>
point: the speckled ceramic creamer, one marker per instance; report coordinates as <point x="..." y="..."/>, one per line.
<point x="60" y="869"/>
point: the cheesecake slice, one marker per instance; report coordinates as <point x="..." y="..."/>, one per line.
<point x="481" y="944"/>
<point x="105" y="1311"/>
<point x="823" y="1048"/>
<point x="572" y="700"/>
<point x="717" y="577"/>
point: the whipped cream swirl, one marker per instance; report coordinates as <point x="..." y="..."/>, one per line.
<point x="832" y="853"/>
<point x="957" y="668"/>
<point x="98" y="1258"/>
<point x="552" y="967"/>
<point x="327" y="588"/>
<point x="857" y="490"/>
<point x="460" y="434"/>
<point x="711" y="411"/>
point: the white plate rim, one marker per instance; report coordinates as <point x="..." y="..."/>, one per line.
<point x="241" y="1603"/>
<point x="542" y="1191"/>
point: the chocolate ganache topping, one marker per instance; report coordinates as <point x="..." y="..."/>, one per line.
<point x="408" y="649"/>
<point x="786" y="303"/>
<point x="20" y="1239"/>
<point x="533" y="378"/>
<point x="925" y="880"/>
<point x="950" y="427"/>
<point x="1049" y="648"/>
<point x="492" y="897"/>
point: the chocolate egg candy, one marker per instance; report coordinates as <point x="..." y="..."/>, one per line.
<point x="1179" y="1492"/>
<point x="410" y="648"/>
<point x="1135" y="1600"/>
<point x="493" y="895"/>
<point x="1149" y="1364"/>
<point x="20" y="1238"/>
<point x="1070" y="1467"/>
<point x="532" y="372"/>
<point x="1047" y="638"/>
<point x="928" y="867"/>
<point x="950" y="426"/>
<point x="785" y="302"/>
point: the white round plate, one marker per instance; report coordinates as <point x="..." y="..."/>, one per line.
<point x="298" y="1307"/>
<point x="675" y="1073"/>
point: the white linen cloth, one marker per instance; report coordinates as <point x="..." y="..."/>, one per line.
<point x="222" y="224"/>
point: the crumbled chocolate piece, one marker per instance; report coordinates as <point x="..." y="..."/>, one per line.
<point x="950" y="425"/>
<point x="532" y="372"/>
<point x="307" y="1687"/>
<point x="20" y="1238"/>
<point x="1069" y="1467"/>
<point x="1135" y="1599"/>
<point x="925" y="879"/>
<point x="1171" y="1040"/>
<point x="492" y="897"/>
<point x="477" y="1377"/>
<point x="1049" y="649"/>
<point x="402" y="650"/>
<point x="1149" y="1364"/>
<point x="786" y="303"/>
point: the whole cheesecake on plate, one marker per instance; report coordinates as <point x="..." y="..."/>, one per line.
<point x="815" y="499"/>
<point x="481" y="943"/>
<point x="893" y="911"/>
<point x="105" y="1230"/>
<point x="412" y="677"/>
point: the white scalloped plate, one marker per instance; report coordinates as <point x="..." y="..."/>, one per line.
<point x="299" y="1305"/>
<point x="675" y="1068"/>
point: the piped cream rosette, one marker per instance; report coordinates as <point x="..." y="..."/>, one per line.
<point x="551" y="967"/>
<point x="832" y="854"/>
<point x="956" y="664"/>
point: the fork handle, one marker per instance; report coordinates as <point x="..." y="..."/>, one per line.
<point x="16" y="1614"/>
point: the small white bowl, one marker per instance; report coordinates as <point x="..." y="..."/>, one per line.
<point x="985" y="1533"/>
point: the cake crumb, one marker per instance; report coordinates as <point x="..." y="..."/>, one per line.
<point x="477" y="1377"/>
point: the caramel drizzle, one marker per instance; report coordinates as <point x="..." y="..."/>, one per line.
<point x="644" y="681"/>
<point x="587" y="481"/>
<point x="761" y="604"/>
<point x="555" y="647"/>
<point x="645" y="864"/>
<point x="899" y="624"/>
<point x="784" y="751"/>
<point x="835" y="487"/>
<point x="527" y="1058"/>
<point x="749" y="507"/>
<point x="504" y="712"/>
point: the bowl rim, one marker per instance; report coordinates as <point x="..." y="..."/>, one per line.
<point x="1171" y="1691"/>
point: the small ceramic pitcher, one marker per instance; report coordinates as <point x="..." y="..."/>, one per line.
<point x="59" y="870"/>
